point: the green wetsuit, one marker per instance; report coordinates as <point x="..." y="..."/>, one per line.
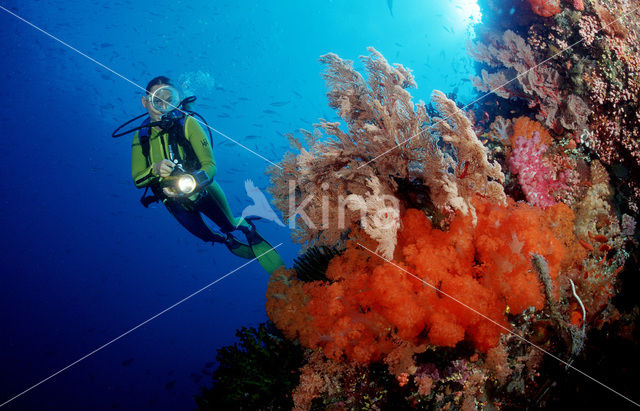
<point x="212" y="203"/>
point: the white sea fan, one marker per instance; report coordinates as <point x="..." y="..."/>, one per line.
<point x="380" y="216"/>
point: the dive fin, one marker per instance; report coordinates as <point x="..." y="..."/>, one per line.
<point x="239" y="248"/>
<point x="258" y="247"/>
<point x="268" y="258"/>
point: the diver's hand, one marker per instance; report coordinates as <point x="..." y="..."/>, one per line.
<point x="168" y="191"/>
<point x="163" y="168"/>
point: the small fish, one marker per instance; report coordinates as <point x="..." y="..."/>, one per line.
<point x="296" y="93"/>
<point x="598" y="237"/>
<point x="209" y="364"/>
<point x="251" y="137"/>
<point x="269" y="111"/>
<point x="105" y="45"/>
<point x="127" y="362"/>
<point x="170" y="385"/>
<point x="446" y="28"/>
<point x="398" y="44"/>
<point x="390" y="5"/>
<point x="604" y="248"/>
<point x="279" y="103"/>
<point x="586" y="245"/>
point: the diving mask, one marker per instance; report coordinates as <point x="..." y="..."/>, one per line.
<point x="164" y="99"/>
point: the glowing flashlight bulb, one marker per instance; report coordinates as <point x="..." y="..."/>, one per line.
<point x="186" y="184"/>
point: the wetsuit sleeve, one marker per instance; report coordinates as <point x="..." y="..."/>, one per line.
<point x="201" y="146"/>
<point x="142" y="174"/>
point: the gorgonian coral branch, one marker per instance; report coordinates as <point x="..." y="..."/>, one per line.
<point x="478" y="175"/>
<point x="521" y="75"/>
<point x="388" y="137"/>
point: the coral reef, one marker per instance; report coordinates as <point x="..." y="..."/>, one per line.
<point x="312" y="265"/>
<point x="577" y="70"/>
<point x="463" y="252"/>
<point x="381" y="120"/>
<point x="369" y="306"/>
<point x="258" y="372"/>
<point x="545" y="8"/>
<point x="469" y="273"/>
<point x="537" y="177"/>
<point x="379" y="220"/>
<point x="521" y="75"/>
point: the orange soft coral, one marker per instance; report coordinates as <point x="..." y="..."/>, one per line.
<point x="545" y="8"/>
<point x="560" y="218"/>
<point x="285" y="299"/>
<point x="525" y="127"/>
<point x="458" y="278"/>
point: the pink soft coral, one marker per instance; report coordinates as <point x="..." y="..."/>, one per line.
<point x="538" y="179"/>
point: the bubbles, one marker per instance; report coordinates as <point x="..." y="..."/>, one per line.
<point x="197" y="83"/>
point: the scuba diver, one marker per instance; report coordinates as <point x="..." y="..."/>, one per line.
<point x="172" y="156"/>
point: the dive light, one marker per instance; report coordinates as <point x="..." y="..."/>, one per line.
<point x="185" y="184"/>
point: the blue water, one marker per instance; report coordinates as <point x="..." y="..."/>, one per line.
<point x="82" y="261"/>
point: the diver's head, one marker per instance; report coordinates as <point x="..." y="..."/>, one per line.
<point x="161" y="97"/>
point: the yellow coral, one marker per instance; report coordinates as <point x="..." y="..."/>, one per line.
<point x="595" y="202"/>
